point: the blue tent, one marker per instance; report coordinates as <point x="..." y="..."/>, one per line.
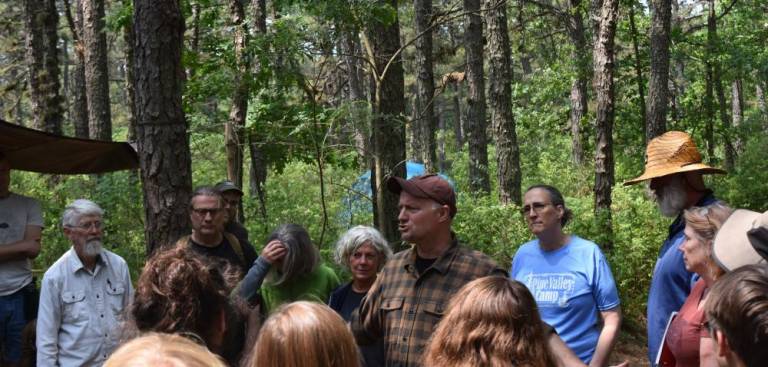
<point x="360" y="196"/>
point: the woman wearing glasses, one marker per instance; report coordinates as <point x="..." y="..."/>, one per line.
<point x="568" y="277"/>
<point x="687" y="342"/>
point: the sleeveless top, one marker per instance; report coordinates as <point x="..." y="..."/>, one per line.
<point x="686" y="330"/>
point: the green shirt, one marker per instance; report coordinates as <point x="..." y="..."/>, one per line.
<point x="315" y="287"/>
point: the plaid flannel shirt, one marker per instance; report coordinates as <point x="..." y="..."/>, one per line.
<point x="404" y="307"/>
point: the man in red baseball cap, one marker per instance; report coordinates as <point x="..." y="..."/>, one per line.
<point x="410" y="294"/>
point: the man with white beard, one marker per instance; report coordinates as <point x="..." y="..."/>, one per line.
<point x="83" y="295"/>
<point x="673" y="166"/>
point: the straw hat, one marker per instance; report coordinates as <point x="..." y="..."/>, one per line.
<point x="742" y="240"/>
<point x="669" y="153"/>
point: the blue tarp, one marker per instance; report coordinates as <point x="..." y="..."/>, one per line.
<point x="358" y="201"/>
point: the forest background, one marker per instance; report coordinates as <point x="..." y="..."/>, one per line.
<point x="294" y="100"/>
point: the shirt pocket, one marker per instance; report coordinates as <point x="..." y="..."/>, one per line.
<point x="75" y="308"/>
<point x="115" y="297"/>
<point x="435" y="310"/>
<point x="392" y="304"/>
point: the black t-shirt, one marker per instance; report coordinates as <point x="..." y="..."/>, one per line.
<point x="423" y="264"/>
<point x="351" y="302"/>
<point x="225" y="252"/>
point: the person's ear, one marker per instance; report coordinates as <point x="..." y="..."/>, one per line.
<point x="445" y="213"/>
<point x="723" y="349"/>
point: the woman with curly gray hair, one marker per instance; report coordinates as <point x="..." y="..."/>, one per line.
<point x="362" y="250"/>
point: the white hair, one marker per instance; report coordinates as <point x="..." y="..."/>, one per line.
<point x="356" y="237"/>
<point x="78" y="209"/>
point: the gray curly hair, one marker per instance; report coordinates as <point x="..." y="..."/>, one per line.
<point x="356" y="237"/>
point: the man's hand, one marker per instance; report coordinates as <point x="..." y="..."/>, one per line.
<point x="274" y="251"/>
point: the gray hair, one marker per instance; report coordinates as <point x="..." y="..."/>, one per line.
<point x="301" y="258"/>
<point x="78" y="209"/>
<point x="357" y="236"/>
<point x="205" y="191"/>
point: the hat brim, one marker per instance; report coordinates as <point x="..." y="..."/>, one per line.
<point x="665" y="171"/>
<point x="396" y="185"/>
<point x="731" y="248"/>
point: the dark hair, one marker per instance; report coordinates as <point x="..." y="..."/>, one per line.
<point x="205" y="191"/>
<point x="738" y="306"/>
<point x="180" y="292"/>
<point x="301" y="257"/>
<point x="557" y="199"/>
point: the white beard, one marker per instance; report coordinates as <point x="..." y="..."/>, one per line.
<point x="672" y="197"/>
<point x="92" y="248"/>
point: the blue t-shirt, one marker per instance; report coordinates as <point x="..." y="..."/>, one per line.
<point x="571" y="285"/>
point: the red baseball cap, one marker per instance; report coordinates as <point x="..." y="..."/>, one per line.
<point x="429" y="186"/>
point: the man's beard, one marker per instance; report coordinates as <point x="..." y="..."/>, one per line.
<point x="92" y="247"/>
<point x="672" y="197"/>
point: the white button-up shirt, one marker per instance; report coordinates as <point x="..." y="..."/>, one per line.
<point x="81" y="311"/>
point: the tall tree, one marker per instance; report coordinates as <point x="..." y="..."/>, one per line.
<point x="41" y="21"/>
<point x="161" y="129"/>
<point x="425" y="121"/>
<point x="604" y="58"/>
<point x="479" y="181"/>
<point x="130" y="85"/>
<point x="388" y="117"/>
<point x="351" y="54"/>
<point x="258" y="171"/>
<point x="96" y="72"/>
<point x="658" y="89"/>
<point x="575" y="23"/>
<point x="737" y="111"/>
<point x="234" y="128"/>
<point x="638" y="64"/>
<point x="715" y="72"/>
<point x="79" y="107"/>
<point x="500" y="102"/>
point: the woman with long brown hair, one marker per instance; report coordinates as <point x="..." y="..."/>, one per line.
<point x="490" y="322"/>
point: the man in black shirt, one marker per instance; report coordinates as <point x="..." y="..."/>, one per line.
<point x="232" y="197"/>
<point x="208" y="214"/>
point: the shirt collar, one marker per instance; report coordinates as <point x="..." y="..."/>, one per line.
<point x="75" y="264"/>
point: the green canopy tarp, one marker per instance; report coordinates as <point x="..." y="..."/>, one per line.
<point x="37" y="151"/>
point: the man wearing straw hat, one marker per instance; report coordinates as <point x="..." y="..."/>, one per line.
<point x="673" y="166"/>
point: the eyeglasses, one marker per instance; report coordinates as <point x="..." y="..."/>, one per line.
<point x="203" y="212"/>
<point x="537" y="207"/>
<point x="97" y="225"/>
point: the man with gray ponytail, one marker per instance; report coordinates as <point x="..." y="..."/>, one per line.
<point x="83" y="294"/>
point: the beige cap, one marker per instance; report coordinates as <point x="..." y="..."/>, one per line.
<point x="742" y="240"/>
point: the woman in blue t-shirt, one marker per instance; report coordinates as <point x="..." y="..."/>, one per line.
<point x="569" y="278"/>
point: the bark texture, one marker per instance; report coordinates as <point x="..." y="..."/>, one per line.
<point x="130" y="85"/>
<point x="500" y="102"/>
<point x="604" y="57"/>
<point x="234" y="128"/>
<point x="737" y="112"/>
<point x="658" y="89"/>
<point x="580" y="57"/>
<point x="479" y="181"/>
<point x="638" y="63"/>
<point x="41" y="22"/>
<point x="79" y="109"/>
<point x="258" y="172"/>
<point x="425" y="121"/>
<point x="96" y="73"/>
<point x="388" y="122"/>
<point x="163" y="143"/>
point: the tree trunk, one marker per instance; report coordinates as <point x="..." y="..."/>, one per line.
<point x="479" y="181"/>
<point x="737" y="111"/>
<point x="761" y="104"/>
<point x="234" y="128"/>
<point x="130" y="85"/>
<point x="709" y="108"/>
<point x="522" y="50"/>
<point x="638" y="63"/>
<point x="352" y="52"/>
<point x="658" y="88"/>
<point x="575" y="25"/>
<point x="604" y="56"/>
<point x="41" y="22"/>
<point x="712" y="44"/>
<point x="425" y="120"/>
<point x="388" y="121"/>
<point x="258" y="172"/>
<point x="96" y="74"/>
<point x="458" y="125"/>
<point x="500" y="102"/>
<point x="161" y="129"/>
<point x="79" y="112"/>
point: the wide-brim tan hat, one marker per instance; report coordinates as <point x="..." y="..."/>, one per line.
<point x="669" y="153"/>
<point x="739" y="241"/>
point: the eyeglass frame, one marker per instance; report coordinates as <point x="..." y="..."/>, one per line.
<point x="202" y="212"/>
<point x="98" y="225"/>
<point x="536" y="207"/>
